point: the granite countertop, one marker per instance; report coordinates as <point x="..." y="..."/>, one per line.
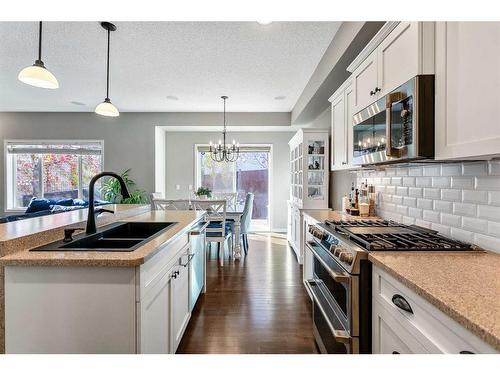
<point x="322" y="215"/>
<point x="465" y="286"/>
<point x="24" y="257"/>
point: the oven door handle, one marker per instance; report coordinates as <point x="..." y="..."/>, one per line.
<point x="340" y="335"/>
<point x="338" y="277"/>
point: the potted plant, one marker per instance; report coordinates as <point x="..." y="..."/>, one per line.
<point x="110" y="190"/>
<point x="203" y="192"/>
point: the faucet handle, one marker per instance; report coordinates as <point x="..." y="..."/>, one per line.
<point x="68" y="233"/>
<point x="101" y="210"/>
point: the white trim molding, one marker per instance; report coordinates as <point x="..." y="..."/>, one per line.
<point x="373" y="44"/>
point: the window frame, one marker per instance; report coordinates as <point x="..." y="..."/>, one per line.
<point x="10" y="170"/>
<point x="198" y="147"/>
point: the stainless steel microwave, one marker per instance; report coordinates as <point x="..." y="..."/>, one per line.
<point x="399" y="127"/>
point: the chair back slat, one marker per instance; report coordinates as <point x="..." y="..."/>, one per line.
<point x="230" y="198"/>
<point x="170" y="204"/>
<point x="215" y="212"/>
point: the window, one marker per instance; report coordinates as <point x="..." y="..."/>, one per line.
<point x="250" y="173"/>
<point x="50" y="169"/>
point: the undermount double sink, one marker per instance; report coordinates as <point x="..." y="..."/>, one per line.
<point x="127" y="236"/>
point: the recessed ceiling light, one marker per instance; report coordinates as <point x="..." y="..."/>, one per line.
<point x="280" y="97"/>
<point x="77" y="103"/>
<point x="264" y="22"/>
<point x="172" y="97"/>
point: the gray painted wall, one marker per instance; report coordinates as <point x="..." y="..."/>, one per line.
<point x="129" y="140"/>
<point x="180" y="165"/>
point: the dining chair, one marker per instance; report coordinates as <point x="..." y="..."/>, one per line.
<point x="218" y="230"/>
<point x="246" y="219"/>
<point x="230" y="198"/>
<point x="170" y="204"/>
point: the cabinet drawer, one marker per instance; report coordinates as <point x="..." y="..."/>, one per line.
<point x="437" y="332"/>
<point x="389" y="336"/>
<point x="166" y="256"/>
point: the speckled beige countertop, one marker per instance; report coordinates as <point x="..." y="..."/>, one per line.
<point x="17" y="238"/>
<point x="322" y="215"/>
<point x="465" y="286"/>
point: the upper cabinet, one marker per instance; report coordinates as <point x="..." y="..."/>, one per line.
<point x="342" y="106"/>
<point x="398" y="52"/>
<point x="467" y="90"/>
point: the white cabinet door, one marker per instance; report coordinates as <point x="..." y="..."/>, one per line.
<point x="349" y="112"/>
<point x="154" y="317"/>
<point x="398" y="57"/>
<point x="467" y="89"/>
<point x="180" y="304"/>
<point x="365" y="82"/>
<point x="339" y="141"/>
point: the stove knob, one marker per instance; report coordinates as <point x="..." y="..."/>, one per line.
<point x="346" y="257"/>
<point x="338" y="250"/>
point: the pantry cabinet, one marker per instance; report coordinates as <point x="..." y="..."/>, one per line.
<point x="403" y="322"/>
<point x="467" y="90"/>
<point x="309" y="176"/>
<point x="342" y="106"/>
<point x="398" y="52"/>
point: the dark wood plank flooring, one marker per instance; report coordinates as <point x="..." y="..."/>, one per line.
<point x="256" y="305"/>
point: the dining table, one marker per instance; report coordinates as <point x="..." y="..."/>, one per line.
<point x="235" y="215"/>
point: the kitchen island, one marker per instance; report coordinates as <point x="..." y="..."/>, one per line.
<point x="102" y="302"/>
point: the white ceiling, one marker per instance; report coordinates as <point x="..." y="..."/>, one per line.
<point x="196" y="62"/>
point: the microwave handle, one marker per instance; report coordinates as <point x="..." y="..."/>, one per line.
<point x="391" y="98"/>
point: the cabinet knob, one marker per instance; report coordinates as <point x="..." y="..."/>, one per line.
<point x="466" y="352"/>
<point x="402" y="303"/>
<point x="344" y="163"/>
<point x="377" y="89"/>
<point x="372" y="93"/>
<point x="396" y="352"/>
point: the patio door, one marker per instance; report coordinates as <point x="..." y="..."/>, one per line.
<point x="250" y="173"/>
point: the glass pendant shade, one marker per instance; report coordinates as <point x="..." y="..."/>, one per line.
<point x="106" y="108"/>
<point x="38" y="76"/>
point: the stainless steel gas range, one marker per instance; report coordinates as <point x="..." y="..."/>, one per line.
<point x="341" y="275"/>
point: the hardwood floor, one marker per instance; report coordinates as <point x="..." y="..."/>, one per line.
<point x="256" y="305"/>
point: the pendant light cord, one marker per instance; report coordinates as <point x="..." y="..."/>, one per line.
<point x="107" y="70"/>
<point x="40" y="42"/>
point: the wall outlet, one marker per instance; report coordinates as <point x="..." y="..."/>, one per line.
<point x="190" y="187"/>
<point x="177" y="187"/>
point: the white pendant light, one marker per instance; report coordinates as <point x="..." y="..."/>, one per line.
<point x="38" y="75"/>
<point x="106" y="108"/>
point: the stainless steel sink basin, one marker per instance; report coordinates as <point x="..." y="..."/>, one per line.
<point x="126" y="236"/>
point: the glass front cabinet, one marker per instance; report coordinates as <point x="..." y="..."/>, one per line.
<point x="309" y="169"/>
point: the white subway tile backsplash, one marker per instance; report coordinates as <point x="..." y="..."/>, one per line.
<point x="443" y="206"/>
<point x="475" y="196"/>
<point x="462" y="182"/>
<point x="423" y="182"/>
<point x="451" y="170"/>
<point x="415" y="192"/>
<point x="494" y="228"/>
<point x="474" y="225"/>
<point x="465" y="209"/>
<point x="487" y="242"/>
<point x="494" y="198"/>
<point x="462" y="235"/>
<point x="432" y="193"/>
<point x="475" y="169"/>
<point x="431" y="216"/>
<point x="415" y="212"/>
<point x="461" y="200"/>
<point x="410" y="202"/>
<point x="396" y="180"/>
<point x="451" y="195"/>
<point x="402" y="190"/>
<point x="441" y="182"/>
<point x="408" y="181"/>
<point x="488" y="183"/>
<point x="451" y="220"/>
<point x="494" y="168"/>
<point x="488" y="212"/>
<point x="425" y="204"/>
<point x="397" y="199"/>
<point x="434" y="170"/>
<point x="415" y="171"/>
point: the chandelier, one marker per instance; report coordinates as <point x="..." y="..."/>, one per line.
<point x="222" y="151"/>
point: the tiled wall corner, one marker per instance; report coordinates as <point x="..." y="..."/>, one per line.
<point x="459" y="200"/>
